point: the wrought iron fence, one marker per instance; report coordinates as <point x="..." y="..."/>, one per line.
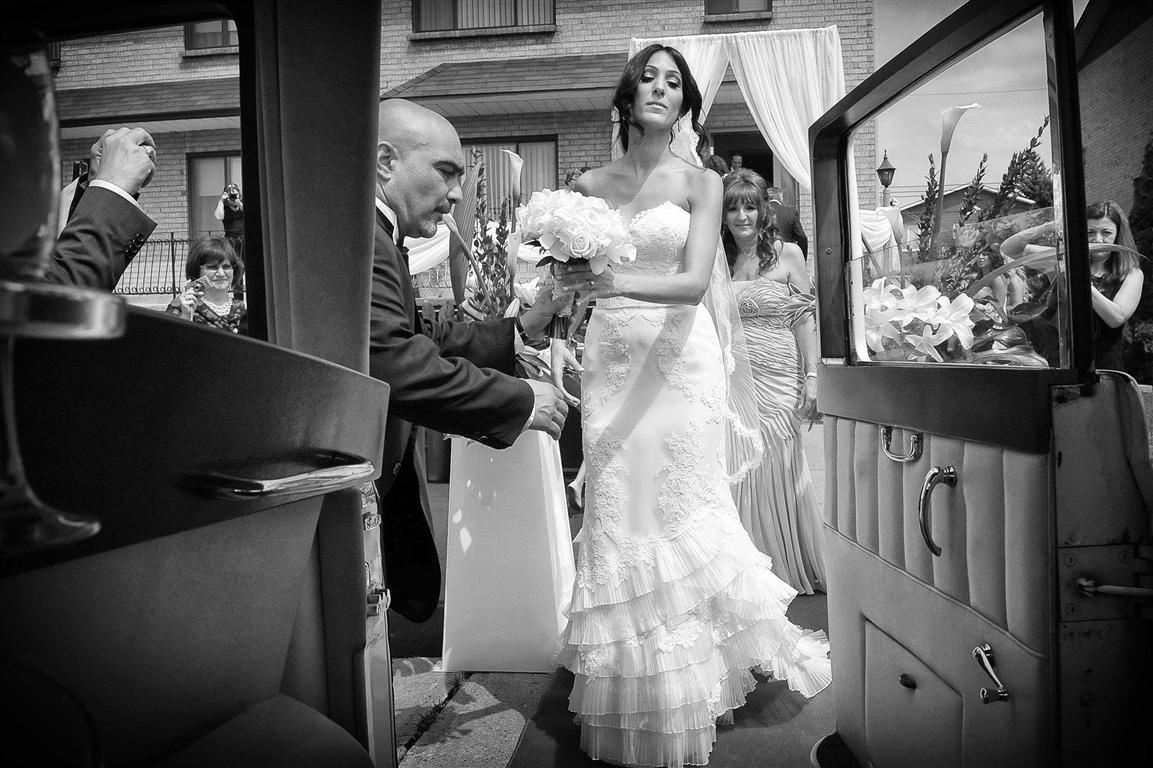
<point x="158" y="268"/>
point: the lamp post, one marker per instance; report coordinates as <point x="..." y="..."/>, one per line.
<point x="885" y="173"/>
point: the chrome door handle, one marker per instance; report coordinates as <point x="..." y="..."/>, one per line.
<point x="913" y="453"/>
<point x="983" y="655"/>
<point x="1089" y="587"/>
<point x="335" y="471"/>
<point x="935" y="476"/>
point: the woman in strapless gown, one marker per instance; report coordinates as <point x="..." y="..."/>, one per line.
<point x="673" y="604"/>
<point x="775" y="500"/>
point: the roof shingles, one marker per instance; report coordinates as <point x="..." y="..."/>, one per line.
<point x="149" y="101"/>
<point x="540" y="74"/>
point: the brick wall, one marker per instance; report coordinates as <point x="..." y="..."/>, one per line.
<point x="131" y="58"/>
<point x="1115" y="124"/>
<point x="165" y="199"/>
<point x="592" y="26"/>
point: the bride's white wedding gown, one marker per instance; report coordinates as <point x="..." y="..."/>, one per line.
<point x="673" y="603"/>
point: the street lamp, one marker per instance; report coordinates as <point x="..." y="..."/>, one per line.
<point x="885" y="173"/>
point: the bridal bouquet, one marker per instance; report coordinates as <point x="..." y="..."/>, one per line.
<point x="574" y="227"/>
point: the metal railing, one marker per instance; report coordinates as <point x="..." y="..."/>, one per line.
<point x="158" y="267"/>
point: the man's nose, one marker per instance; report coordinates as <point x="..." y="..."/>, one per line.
<point x="455" y="193"/>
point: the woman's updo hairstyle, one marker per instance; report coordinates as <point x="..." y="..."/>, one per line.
<point x="627" y="89"/>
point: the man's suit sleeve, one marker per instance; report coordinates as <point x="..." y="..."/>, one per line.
<point x="799" y="233"/>
<point x="96" y="245"/>
<point x="437" y="387"/>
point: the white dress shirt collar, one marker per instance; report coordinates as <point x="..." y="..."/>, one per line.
<point x="389" y="214"/>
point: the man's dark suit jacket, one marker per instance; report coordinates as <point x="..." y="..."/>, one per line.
<point x="102" y="236"/>
<point x="448" y="376"/>
<point x="789" y="227"/>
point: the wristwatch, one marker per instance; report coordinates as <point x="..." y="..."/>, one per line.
<point x="541" y="343"/>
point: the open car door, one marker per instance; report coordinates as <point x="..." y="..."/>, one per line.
<point x="987" y="510"/>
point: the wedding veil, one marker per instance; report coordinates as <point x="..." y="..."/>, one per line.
<point x="745" y="449"/>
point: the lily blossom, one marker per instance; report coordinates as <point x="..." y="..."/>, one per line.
<point x="926" y="344"/>
<point x="922" y="304"/>
<point x="954" y="320"/>
<point x="949" y="119"/>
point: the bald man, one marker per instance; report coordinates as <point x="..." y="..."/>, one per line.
<point x="453" y="377"/>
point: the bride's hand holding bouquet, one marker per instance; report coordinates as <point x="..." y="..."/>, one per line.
<point x="583" y="236"/>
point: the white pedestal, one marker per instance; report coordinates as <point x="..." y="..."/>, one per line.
<point x="509" y="571"/>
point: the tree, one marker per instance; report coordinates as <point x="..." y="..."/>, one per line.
<point x="1025" y="164"/>
<point x="928" y="212"/>
<point x="1141" y="216"/>
<point x="1139" y="354"/>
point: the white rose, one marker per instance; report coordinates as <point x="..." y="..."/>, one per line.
<point x="580" y="245"/>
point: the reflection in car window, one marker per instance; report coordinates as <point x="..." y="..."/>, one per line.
<point x="931" y="282"/>
<point x="182" y="85"/>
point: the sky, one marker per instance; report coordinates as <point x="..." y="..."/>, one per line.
<point x="1006" y="77"/>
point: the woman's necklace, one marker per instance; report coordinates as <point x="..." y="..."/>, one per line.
<point x="220" y="309"/>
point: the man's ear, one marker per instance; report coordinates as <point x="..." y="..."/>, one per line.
<point x="386" y="157"/>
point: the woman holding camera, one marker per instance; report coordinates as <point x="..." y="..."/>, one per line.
<point x="211" y="296"/>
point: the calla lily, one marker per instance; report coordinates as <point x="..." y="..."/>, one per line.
<point x="515" y="163"/>
<point x="460" y="256"/>
<point x="462" y="224"/>
<point x="949" y="119"/>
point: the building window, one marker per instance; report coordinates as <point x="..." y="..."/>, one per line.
<point x="207" y="177"/>
<point x="220" y="33"/>
<point x="539" y="169"/>
<point x="445" y="15"/>
<point x="720" y="7"/>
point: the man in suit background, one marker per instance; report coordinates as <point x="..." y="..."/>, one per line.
<point x="449" y="376"/>
<point x="787" y="221"/>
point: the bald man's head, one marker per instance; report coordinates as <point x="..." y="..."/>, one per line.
<point x="419" y="165"/>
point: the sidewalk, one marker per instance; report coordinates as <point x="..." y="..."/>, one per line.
<point x="475" y="719"/>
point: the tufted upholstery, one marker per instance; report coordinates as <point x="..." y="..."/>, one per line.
<point x="992" y="527"/>
<point x="1015" y="532"/>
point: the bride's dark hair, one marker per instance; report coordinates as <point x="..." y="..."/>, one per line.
<point x="627" y="89"/>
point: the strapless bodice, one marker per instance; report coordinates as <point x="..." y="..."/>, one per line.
<point x="770" y="302"/>
<point x="659" y="234"/>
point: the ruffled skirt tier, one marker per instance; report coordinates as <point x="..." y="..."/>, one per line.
<point x="659" y="656"/>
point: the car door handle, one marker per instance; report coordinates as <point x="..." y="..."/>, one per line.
<point x="329" y="471"/>
<point x="916" y="441"/>
<point x="934" y="477"/>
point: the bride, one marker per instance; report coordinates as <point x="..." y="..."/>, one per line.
<point x="673" y="604"/>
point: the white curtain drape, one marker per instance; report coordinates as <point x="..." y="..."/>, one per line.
<point x="788" y="79"/>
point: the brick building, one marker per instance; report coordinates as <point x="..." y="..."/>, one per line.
<point x="538" y="75"/>
<point x="1115" y="47"/>
<point x="534" y="75"/>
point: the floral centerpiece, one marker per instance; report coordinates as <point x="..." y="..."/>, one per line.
<point x="903" y="322"/>
<point x="573" y="227"/>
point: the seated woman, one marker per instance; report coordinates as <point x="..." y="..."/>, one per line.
<point x="212" y="294"/>
<point x="1116" y="276"/>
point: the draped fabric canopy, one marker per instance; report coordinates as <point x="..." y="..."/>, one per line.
<point x="788" y="78"/>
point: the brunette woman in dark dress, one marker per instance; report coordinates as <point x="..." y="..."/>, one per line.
<point x="1116" y="275"/>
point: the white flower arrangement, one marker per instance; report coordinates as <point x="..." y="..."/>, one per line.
<point x="575" y="227"/>
<point x="907" y="323"/>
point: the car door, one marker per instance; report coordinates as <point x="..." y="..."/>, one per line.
<point x="968" y="432"/>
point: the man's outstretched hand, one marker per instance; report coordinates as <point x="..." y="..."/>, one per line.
<point x="549" y="409"/>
